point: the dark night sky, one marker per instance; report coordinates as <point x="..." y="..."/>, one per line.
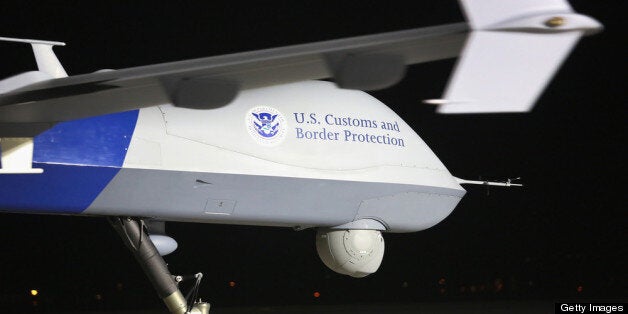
<point x="566" y="228"/>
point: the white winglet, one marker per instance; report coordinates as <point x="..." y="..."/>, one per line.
<point x="512" y="53"/>
<point x="47" y="61"/>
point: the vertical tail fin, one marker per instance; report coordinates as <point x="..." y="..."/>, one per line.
<point x="47" y="61"/>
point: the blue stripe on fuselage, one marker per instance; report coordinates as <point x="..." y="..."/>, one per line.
<point x="97" y="141"/>
<point x="79" y="159"/>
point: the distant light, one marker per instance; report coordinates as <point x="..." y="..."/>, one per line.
<point x="98" y="297"/>
<point x="579" y="289"/>
<point x="404" y="284"/>
<point x="317" y="294"/>
<point x="232" y="284"/>
<point x="498" y="284"/>
<point x="34" y="292"/>
<point x="441" y="281"/>
<point x="119" y="286"/>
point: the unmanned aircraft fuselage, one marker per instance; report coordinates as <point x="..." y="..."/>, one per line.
<point x="270" y="145"/>
<point x="300" y="155"/>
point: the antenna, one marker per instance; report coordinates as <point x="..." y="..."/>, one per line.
<point x="507" y="183"/>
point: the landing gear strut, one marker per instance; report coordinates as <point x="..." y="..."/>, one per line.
<point x="134" y="235"/>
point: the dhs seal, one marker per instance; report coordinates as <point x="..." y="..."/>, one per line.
<point x="266" y="125"/>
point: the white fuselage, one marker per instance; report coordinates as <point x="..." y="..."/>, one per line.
<point x="303" y="154"/>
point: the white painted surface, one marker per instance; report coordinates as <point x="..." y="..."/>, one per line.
<point x="164" y="244"/>
<point x="47" y="61"/>
<point x="17" y="156"/>
<point x="356" y="253"/>
<point x="219" y="141"/>
<point x="482" y="14"/>
<point x="22" y="79"/>
<point x="513" y="51"/>
<point x="505" y="71"/>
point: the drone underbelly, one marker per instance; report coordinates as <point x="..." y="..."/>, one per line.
<point x="272" y="200"/>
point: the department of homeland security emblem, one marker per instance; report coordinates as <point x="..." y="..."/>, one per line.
<point x="266" y="125"/>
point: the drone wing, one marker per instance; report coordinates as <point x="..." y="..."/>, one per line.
<point x="366" y="62"/>
<point x="497" y="71"/>
<point x="512" y="54"/>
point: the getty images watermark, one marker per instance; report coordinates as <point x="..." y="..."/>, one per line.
<point x="589" y="307"/>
